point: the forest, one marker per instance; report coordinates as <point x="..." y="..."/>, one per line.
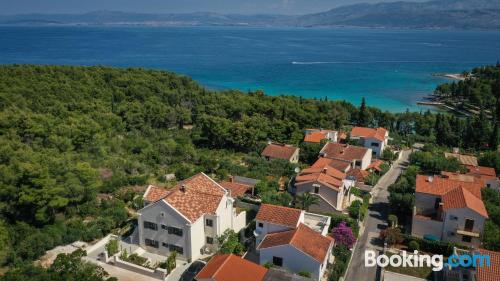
<point x="73" y="140"/>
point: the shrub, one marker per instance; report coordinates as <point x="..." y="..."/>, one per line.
<point x="112" y="247"/>
<point x="343" y="235"/>
<point x="413" y="246"/>
<point x="305" y="274"/>
<point x="392" y="236"/>
<point x="393" y="219"/>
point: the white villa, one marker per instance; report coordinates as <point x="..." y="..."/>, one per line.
<point x="375" y="139"/>
<point x="188" y="218"/>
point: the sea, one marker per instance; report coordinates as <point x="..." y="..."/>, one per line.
<point x="392" y="68"/>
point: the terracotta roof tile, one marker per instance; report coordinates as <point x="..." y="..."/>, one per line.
<point x="230" y="267"/>
<point x="481" y="171"/>
<point x="193" y="197"/>
<point x="439" y="185"/>
<point x="302" y="238"/>
<point x="279" y="215"/>
<point x="155" y="193"/>
<point x="340" y="165"/>
<point x="376" y="165"/>
<point x="236" y="189"/>
<point x="327" y="176"/>
<point x="315" y="137"/>
<point x="460" y="197"/>
<point x="358" y="174"/>
<point x="378" y="133"/>
<point x="492" y="272"/>
<point x="343" y="151"/>
<point x="279" y="151"/>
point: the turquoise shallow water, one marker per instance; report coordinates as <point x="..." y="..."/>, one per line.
<point x="391" y="68"/>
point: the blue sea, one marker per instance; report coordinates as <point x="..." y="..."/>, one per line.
<point x="391" y="68"/>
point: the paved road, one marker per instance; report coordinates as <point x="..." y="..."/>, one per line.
<point x="374" y="222"/>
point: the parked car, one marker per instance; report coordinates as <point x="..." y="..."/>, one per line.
<point x="192" y="271"/>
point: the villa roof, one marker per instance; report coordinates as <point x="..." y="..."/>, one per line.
<point x="489" y="273"/>
<point x="303" y="239"/>
<point x="483" y="171"/>
<point x="358" y="174"/>
<point x="315" y="137"/>
<point x="236" y="189"/>
<point x="343" y="151"/>
<point x="280" y="151"/>
<point x="438" y="185"/>
<point x="378" y="133"/>
<point x="193" y="197"/>
<point x="279" y="215"/>
<point x="329" y="177"/>
<point x="467" y="160"/>
<point x="341" y="165"/>
<point x="155" y="193"/>
<point x="376" y="165"/>
<point x="460" y="197"/>
<point x="230" y="267"/>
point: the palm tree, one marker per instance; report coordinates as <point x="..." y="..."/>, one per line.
<point x="307" y="200"/>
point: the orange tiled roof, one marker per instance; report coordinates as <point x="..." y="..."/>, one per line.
<point x="280" y="151"/>
<point x="343" y="151"/>
<point x="376" y="165"/>
<point x="492" y="272"/>
<point x="341" y="165"/>
<point x="482" y="171"/>
<point x="460" y="197"/>
<point x="193" y="197"/>
<point x="236" y="189"/>
<point x="230" y="267"/>
<point x="279" y="215"/>
<point x="459" y="177"/>
<point x="155" y="193"/>
<point x="303" y="239"/>
<point x="358" y="174"/>
<point x="327" y="176"/>
<point x="440" y="185"/>
<point x="467" y="160"/>
<point x="315" y="137"/>
<point x="378" y="133"/>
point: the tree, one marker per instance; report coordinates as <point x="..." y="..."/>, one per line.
<point x="112" y="247"/>
<point x="230" y="243"/>
<point x="364" y="116"/>
<point x="392" y="236"/>
<point x="343" y="235"/>
<point x="306" y="200"/>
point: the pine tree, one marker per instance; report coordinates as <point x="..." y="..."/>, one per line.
<point x="364" y="115"/>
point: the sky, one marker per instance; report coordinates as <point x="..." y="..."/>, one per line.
<point x="177" y="6"/>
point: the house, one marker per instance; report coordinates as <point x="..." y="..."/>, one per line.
<point x="239" y="186"/>
<point x="449" y="210"/>
<point x="486" y="174"/>
<point x="187" y="218"/>
<point x="329" y="184"/>
<point x="298" y="250"/>
<point x="340" y="165"/>
<point x="355" y="156"/>
<point x="281" y="151"/>
<point x="272" y="218"/>
<point x="486" y="272"/>
<point x="358" y="175"/>
<point x="318" y="135"/>
<point x="375" y="139"/>
<point x="230" y="267"/>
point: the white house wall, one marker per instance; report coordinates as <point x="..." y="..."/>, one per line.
<point x="451" y="226"/>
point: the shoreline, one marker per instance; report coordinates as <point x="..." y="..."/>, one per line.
<point x="454" y="76"/>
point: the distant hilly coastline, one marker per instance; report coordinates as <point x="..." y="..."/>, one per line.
<point x="462" y="14"/>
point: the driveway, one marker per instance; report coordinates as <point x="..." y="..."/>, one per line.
<point x="374" y="223"/>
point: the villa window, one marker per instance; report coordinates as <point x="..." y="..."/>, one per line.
<point x="177" y="249"/>
<point x="151" y="243"/>
<point x="375" y="144"/>
<point x="278" y="261"/>
<point x="150" y="225"/>
<point x="469" y="225"/>
<point x="316" y="189"/>
<point x="164" y="227"/>
<point x="210" y="240"/>
<point x="175" y="231"/>
<point x="466" y="238"/>
<point x="165" y="245"/>
<point x="260" y="225"/>
<point x="209" y="222"/>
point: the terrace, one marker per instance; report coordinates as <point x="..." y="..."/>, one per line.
<point x="317" y="222"/>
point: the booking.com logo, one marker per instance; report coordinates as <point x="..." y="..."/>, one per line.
<point x="435" y="261"/>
